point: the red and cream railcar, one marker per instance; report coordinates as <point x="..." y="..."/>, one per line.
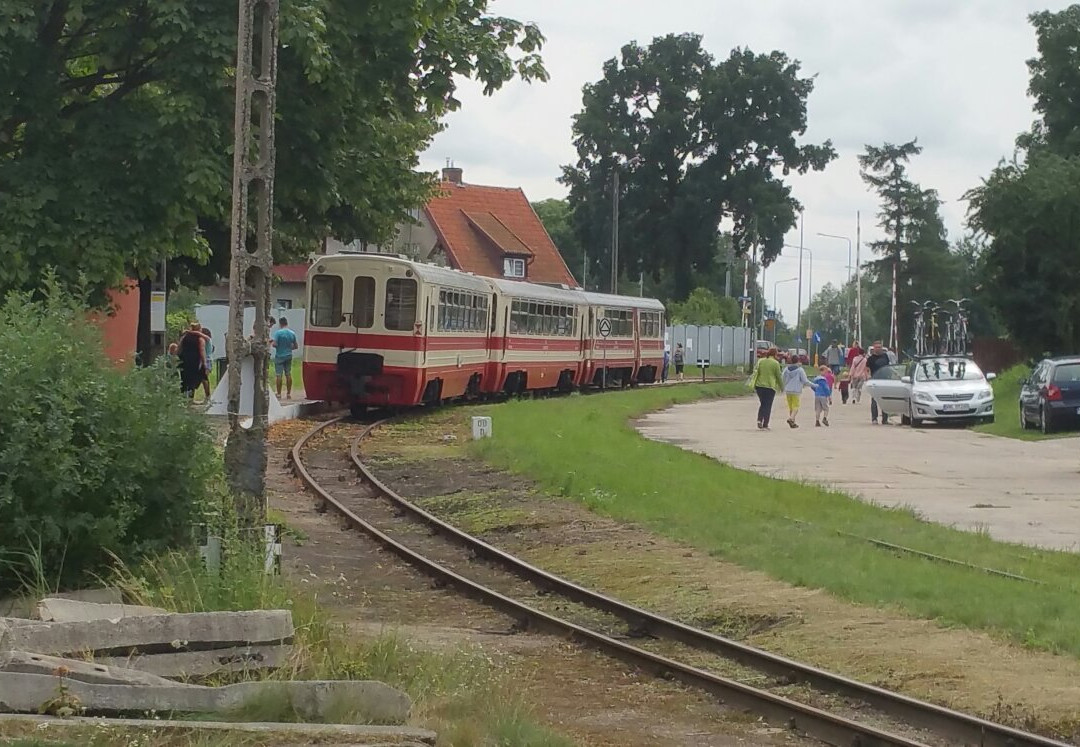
<point x="384" y="331"/>
<point x="633" y="351"/>
<point x="538" y="339"/>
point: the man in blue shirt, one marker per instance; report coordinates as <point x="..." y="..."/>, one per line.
<point x="284" y="343"/>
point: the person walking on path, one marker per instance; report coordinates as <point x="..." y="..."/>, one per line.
<point x="852" y="353"/>
<point x="859" y="374"/>
<point x="663" y="371"/>
<point x="794" y="380"/>
<point x="679" y="359"/>
<point x="284" y="343"/>
<point x="822" y="387"/>
<point x="192" y="354"/>
<point x="845" y="386"/>
<point x="878" y="359"/>
<point x="834" y="358"/>
<point x="766" y="380"/>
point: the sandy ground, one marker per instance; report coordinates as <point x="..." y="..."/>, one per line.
<point x="1018" y="491"/>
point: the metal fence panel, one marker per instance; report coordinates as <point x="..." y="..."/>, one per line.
<point x="721" y="346"/>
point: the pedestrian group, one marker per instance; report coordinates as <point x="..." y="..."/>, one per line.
<point x="846" y="371"/>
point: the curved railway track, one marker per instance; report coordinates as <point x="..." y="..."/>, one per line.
<point x="450" y="556"/>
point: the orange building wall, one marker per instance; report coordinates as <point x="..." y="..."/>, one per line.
<point x="120" y="328"/>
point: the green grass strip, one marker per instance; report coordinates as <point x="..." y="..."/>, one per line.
<point x="584" y="448"/>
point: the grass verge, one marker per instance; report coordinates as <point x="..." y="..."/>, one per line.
<point x="585" y="448"/>
<point x="1007" y="408"/>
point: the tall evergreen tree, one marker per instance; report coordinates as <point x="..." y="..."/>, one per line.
<point x="915" y="259"/>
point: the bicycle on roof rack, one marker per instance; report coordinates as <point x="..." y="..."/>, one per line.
<point x="940" y="330"/>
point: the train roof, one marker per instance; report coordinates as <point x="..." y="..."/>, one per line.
<point x="428" y="273"/>
<point x="550" y="293"/>
<point x="623" y="302"/>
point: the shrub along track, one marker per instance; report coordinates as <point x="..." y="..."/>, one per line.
<point x="871" y="715"/>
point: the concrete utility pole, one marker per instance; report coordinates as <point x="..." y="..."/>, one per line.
<point x="252" y="266"/>
<point x="858" y="278"/>
<point x="798" y="308"/>
<point x="615" y="231"/>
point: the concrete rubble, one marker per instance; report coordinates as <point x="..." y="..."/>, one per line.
<point x="287" y="733"/>
<point x="56" y="609"/>
<point x="315" y="700"/>
<point x="47" y="662"/>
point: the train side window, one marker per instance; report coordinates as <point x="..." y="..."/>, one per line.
<point x="326" y="301"/>
<point x="363" y="304"/>
<point x="400" y="308"/>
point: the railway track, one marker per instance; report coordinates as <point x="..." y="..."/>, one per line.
<point x="842" y="711"/>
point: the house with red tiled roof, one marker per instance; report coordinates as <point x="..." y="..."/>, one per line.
<point x="490" y="231"/>
<point x="289" y="292"/>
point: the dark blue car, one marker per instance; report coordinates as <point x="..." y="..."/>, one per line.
<point x="1050" y="397"/>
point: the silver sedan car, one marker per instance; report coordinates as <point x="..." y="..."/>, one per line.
<point x="940" y="389"/>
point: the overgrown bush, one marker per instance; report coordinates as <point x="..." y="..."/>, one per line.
<point x="93" y="460"/>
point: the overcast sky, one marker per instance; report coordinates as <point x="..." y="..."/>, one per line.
<point x="950" y="72"/>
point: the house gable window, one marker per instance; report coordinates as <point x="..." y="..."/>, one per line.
<point x="513" y="267"/>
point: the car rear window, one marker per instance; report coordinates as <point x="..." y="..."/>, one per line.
<point x="1067" y="373"/>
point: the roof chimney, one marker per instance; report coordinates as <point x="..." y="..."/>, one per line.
<point x="452" y="174"/>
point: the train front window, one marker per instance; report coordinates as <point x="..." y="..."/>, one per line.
<point x="400" y="309"/>
<point x="363" y="303"/>
<point x="326" y="301"/>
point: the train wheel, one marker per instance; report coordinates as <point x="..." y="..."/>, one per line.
<point x="358" y="411"/>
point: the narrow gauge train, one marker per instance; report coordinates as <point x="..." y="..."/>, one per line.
<point x="384" y="331"/>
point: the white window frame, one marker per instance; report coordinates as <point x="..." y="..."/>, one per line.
<point x="512" y="263"/>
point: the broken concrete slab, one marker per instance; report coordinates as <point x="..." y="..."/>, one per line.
<point x="74" y="669"/>
<point x="359" y="736"/>
<point x="317" y="700"/>
<point x="153" y="634"/>
<point x="24" y="606"/>
<point x="203" y="663"/>
<point x="57" y="609"/>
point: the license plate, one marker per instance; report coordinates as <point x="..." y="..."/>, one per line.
<point x="1078" y="410"/>
<point x="954" y="407"/>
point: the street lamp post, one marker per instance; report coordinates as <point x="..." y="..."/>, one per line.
<point x="844" y="238"/>
<point x="775" y="284"/>
<point x="809" y="283"/>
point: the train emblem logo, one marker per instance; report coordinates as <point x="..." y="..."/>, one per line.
<point x="604" y="328"/>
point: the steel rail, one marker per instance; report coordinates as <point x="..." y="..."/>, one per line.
<point x="942" y="721"/>
<point x="828" y="727"/>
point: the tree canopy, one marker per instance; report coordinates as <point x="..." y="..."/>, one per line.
<point x="696" y="142"/>
<point x="703" y="307"/>
<point x="1026" y="208"/>
<point x="116" y="123"/>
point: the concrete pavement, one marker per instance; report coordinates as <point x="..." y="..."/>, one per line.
<point x="1018" y="491"/>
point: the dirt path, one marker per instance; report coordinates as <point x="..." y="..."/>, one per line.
<point x="967" y="670"/>
<point x="590" y="697"/>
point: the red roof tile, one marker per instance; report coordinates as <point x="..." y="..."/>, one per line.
<point x="477" y="225"/>
<point x="292" y="273"/>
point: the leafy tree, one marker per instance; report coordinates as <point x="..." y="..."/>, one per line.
<point x="558" y="221"/>
<point x="695" y="142"/>
<point x="116" y="121"/>
<point x="830" y="312"/>
<point x="916" y="248"/>
<point x="703" y="307"/>
<point x="1025" y="209"/>
<point x="1032" y="267"/>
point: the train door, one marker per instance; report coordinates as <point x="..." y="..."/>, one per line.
<point x="637" y="344"/>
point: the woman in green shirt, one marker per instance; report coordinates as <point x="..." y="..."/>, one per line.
<point x="766" y="381"/>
